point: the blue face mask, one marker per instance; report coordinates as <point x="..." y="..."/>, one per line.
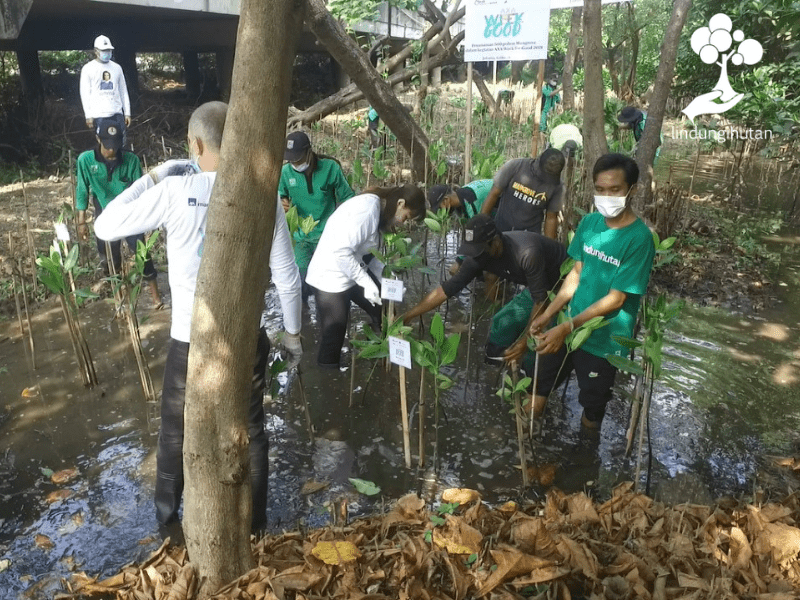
<point x="104" y="55"/>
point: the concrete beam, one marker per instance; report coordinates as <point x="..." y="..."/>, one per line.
<point x="12" y="16"/>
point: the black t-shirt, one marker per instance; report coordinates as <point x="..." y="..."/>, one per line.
<point x="526" y="196"/>
<point x="528" y="258"/>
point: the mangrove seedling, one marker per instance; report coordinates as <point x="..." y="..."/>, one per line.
<point x="57" y="273"/>
<point x="305" y="225"/>
<point x="432" y="356"/>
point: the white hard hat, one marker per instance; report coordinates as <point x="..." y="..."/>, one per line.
<point x="102" y="42"/>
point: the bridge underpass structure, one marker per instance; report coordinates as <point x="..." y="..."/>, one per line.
<point x="188" y="27"/>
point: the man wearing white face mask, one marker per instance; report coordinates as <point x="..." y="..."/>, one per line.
<point x="315" y="185"/>
<point x="104" y="94"/>
<point x="613" y="251"/>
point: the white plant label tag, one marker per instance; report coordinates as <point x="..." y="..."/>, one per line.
<point x="62" y="233"/>
<point x="392" y="289"/>
<point x="399" y="352"/>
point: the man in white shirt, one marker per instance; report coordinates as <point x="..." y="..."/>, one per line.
<point x="104" y="94"/>
<point x="180" y="204"/>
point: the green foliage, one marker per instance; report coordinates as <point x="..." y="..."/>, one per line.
<point x="54" y="271"/>
<point x="131" y="282"/>
<point x="400" y="254"/>
<point x="508" y="390"/>
<point x="438" y="221"/>
<point x="436" y="354"/>
<point x="377" y="346"/>
<point x="486" y="164"/>
<point x="64" y="61"/>
<point x="305" y="225"/>
<point x="354" y="11"/>
<point x="437" y="157"/>
<point x="364" y="487"/>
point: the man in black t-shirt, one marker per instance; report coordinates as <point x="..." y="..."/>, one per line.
<point x="527" y="190"/>
<point x="522" y="257"/>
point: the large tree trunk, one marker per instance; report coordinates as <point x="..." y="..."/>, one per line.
<point x="594" y="134"/>
<point x="486" y="95"/>
<point x="646" y="149"/>
<point x="635" y="33"/>
<point x="570" y="58"/>
<point x="230" y="294"/>
<point x="380" y="95"/>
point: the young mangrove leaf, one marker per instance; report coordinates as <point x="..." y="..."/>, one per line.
<point x="450" y="348"/>
<point x="365" y="487"/>
<point x="437" y="329"/>
<point x="624" y="364"/>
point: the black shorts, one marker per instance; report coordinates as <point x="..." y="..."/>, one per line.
<point x="595" y="378"/>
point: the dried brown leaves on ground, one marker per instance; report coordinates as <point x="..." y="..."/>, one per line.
<point x="570" y="547"/>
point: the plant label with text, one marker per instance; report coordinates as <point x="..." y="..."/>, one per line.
<point x="62" y="233"/>
<point x="400" y="352"/>
<point x="392" y="289"/>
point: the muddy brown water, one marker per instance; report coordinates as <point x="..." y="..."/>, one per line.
<point x="729" y="399"/>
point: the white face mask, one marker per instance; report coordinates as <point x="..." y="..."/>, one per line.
<point x="104" y="55"/>
<point x="610" y="206"/>
<point x="300" y="168"/>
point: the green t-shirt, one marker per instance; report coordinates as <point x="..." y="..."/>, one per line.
<point x="93" y="176"/>
<point x="481" y="187"/>
<point x="328" y="187"/>
<point x="619" y="259"/>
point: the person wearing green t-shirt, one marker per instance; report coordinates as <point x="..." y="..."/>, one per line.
<point x="315" y="184"/>
<point x="634" y="119"/>
<point x="613" y="251"/>
<point x="103" y="174"/>
<point x="467" y="200"/>
<point x="550" y="98"/>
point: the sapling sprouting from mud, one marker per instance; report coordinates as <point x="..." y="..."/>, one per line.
<point x="432" y="356"/>
<point x="55" y="271"/>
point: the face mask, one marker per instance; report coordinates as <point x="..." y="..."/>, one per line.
<point x="610" y="206"/>
<point x="104" y="55"/>
<point x="300" y="168"/>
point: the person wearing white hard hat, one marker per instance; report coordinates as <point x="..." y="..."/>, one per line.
<point x="104" y="94"/>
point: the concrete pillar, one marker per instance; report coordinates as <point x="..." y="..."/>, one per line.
<point x="127" y="60"/>
<point x="191" y="72"/>
<point x="341" y="78"/>
<point x="436" y="77"/>
<point x="225" y="72"/>
<point x="31" y="78"/>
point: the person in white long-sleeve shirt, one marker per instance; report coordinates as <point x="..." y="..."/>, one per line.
<point x="180" y="204"/>
<point x="104" y="93"/>
<point x="343" y="270"/>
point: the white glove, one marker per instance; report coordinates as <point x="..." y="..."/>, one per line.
<point x="372" y="293"/>
<point x="293" y="346"/>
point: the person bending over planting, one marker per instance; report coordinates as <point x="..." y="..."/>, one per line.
<point x="613" y="251"/>
<point x="343" y="270"/>
<point x="523" y="257"/>
<point x="467" y="200"/>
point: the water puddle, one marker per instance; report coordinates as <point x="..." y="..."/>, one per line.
<point x="727" y="399"/>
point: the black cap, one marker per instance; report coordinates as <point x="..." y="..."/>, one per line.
<point x="297" y="144"/>
<point x="478" y="232"/>
<point x="436" y="194"/>
<point x="110" y="135"/>
<point x="629" y="114"/>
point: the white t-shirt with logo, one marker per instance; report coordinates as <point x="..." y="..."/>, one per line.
<point x="349" y="235"/>
<point x="104" y="95"/>
<point x="180" y="205"/>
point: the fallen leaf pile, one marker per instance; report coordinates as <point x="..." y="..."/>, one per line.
<point x="569" y="547"/>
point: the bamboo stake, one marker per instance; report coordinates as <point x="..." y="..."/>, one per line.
<point x="404" y="415"/>
<point x="468" y="136"/>
<point x="536" y="111"/>
<point x="520" y="427"/>
<point x="305" y="405"/>
<point x="421" y="462"/>
<point x="694" y="170"/>
<point x="28" y="234"/>
<point x="469" y="337"/>
<point x="643" y="423"/>
<point x="82" y="256"/>
<point x="27" y="314"/>
<point x="533" y="393"/>
<point x="352" y="372"/>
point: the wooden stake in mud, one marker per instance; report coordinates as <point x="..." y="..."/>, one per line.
<point x="29" y="234"/>
<point x="520" y="425"/>
<point x="305" y="404"/>
<point x="468" y="136"/>
<point x="533" y="393"/>
<point x="648" y="389"/>
<point x="469" y="337"/>
<point x="537" y="112"/>
<point x="694" y="169"/>
<point x="404" y="415"/>
<point x="421" y="462"/>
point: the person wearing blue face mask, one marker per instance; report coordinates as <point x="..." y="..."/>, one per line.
<point x="104" y="94"/>
<point x="613" y="251"/>
<point x="315" y="185"/>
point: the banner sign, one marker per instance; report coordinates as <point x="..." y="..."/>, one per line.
<point x="506" y="30"/>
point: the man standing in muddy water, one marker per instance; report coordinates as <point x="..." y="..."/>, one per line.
<point x="613" y="251"/>
<point x="104" y="94"/>
<point x="106" y="172"/>
<point x="529" y="192"/>
<point x="180" y="204"/>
